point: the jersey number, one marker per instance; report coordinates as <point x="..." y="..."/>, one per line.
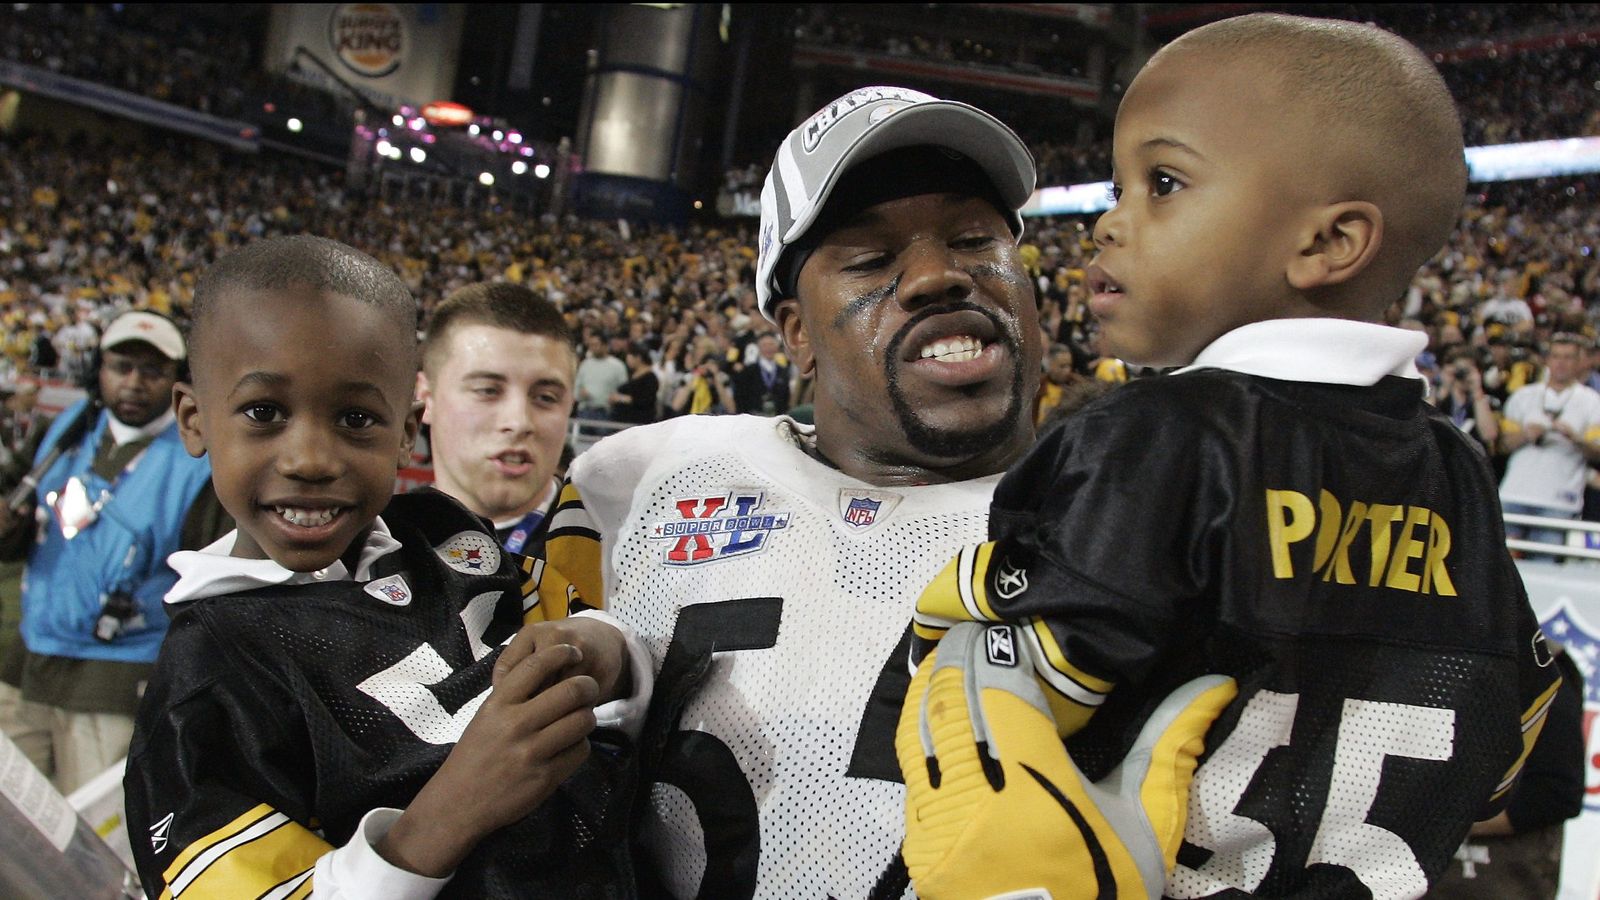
<point x="707" y="772"/>
<point x="1243" y="848"/>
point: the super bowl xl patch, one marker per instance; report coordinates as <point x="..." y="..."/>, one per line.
<point x="714" y="528"/>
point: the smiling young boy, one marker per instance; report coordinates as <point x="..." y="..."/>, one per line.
<point x="1286" y="509"/>
<point x="332" y="712"/>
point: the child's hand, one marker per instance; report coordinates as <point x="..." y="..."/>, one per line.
<point x="603" y="651"/>
<point x="530" y="735"/>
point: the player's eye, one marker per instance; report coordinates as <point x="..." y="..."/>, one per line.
<point x="358" y="419"/>
<point x="976" y="241"/>
<point x="263" y="413"/>
<point x="868" y="263"/>
<point x="1163" y="184"/>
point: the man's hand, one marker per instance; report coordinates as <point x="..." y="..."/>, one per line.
<point x="602" y="650"/>
<point x="530" y="735"/>
<point x="993" y="803"/>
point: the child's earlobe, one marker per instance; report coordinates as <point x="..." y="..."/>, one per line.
<point x="1341" y="243"/>
<point x="187" y="412"/>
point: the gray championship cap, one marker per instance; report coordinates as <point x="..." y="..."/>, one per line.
<point x="859" y="126"/>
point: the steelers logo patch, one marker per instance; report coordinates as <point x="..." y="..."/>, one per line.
<point x="471" y="553"/>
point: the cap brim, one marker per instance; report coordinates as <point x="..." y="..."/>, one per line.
<point x="956" y="126"/>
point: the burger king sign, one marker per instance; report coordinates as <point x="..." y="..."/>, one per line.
<point x="369" y="38"/>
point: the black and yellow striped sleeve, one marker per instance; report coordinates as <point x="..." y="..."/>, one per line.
<point x="975" y="587"/>
<point x="262" y="853"/>
<point x="572" y="546"/>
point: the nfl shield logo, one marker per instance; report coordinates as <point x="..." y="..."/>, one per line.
<point x="862" y="512"/>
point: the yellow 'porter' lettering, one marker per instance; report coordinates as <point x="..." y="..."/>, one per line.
<point x="1422" y="535"/>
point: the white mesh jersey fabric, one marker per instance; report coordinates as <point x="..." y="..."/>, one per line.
<point x="789" y="713"/>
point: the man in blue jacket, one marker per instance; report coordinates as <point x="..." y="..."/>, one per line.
<point x="115" y="495"/>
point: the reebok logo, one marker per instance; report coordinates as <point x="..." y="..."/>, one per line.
<point x="1010" y="581"/>
<point x="1001" y="646"/>
<point x="159" y="831"/>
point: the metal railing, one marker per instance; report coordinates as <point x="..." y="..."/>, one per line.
<point x="1574" y="528"/>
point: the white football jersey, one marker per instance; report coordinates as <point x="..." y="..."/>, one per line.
<point x="720" y="535"/>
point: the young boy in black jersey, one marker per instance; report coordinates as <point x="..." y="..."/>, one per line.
<point x="1286" y="509"/>
<point x="333" y="713"/>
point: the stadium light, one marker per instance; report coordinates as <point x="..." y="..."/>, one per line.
<point x="486" y="179"/>
<point x="519" y="168"/>
<point x="418" y="155"/>
<point x="383" y="148"/>
<point x="295" y="125"/>
<point x="541" y="171"/>
<point x="473" y="129"/>
<point x="515" y="137"/>
<point x="499" y="135"/>
<point x="399" y="120"/>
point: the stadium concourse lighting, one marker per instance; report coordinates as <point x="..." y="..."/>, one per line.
<point x="486" y="179"/>
<point x="519" y="168"/>
<point x="295" y="125"/>
<point x="418" y="154"/>
<point x="514" y="137"/>
<point x="398" y="120"/>
<point x="541" y="171"/>
<point x="383" y="148"/>
<point x="499" y="135"/>
<point x="473" y="129"/>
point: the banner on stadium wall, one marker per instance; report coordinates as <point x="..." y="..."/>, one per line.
<point x="394" y="53"/>
<point x="1566" y="598"/>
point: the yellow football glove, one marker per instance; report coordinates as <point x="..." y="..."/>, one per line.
<point x="996" y="809"/>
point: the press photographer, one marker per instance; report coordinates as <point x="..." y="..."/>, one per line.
<point x="110" y="495"/>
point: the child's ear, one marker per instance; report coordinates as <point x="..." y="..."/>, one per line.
<point x="187" y="410"/>
<point x="1341" y="241"/>
<point x="795" y="338"/>
<point x="408" y="438"/>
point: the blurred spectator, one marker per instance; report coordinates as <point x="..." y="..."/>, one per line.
<point x="636" y="400"/>
<point x="763" y="387"/>
<point x="1461" y="397"/>
<point x="705" y="390"/>
<point x="599" y="376"/>
<point x="1060" y="373"/>
<point x="22" y="427"/>
<point x="1552" y="431"/>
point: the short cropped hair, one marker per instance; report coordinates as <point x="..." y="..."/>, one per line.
<point x="1387" y="109"/>
<point x="300" y="261"/>
<point x="500" y="305"/>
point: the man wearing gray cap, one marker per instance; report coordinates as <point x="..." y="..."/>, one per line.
<point x="772" y="567"/>
<point x="113" y="494"/>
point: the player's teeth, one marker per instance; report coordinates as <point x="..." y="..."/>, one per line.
<point x="308" y="518"/>
<point x="954" y="350"/>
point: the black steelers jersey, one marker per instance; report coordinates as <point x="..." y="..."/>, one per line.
<point x="1339" y="551"/>
<point x="279" y="716"/>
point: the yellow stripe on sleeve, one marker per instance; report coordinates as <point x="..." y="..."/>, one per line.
<point x="1533" y="720"/>
<point x="259" y="853"/>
